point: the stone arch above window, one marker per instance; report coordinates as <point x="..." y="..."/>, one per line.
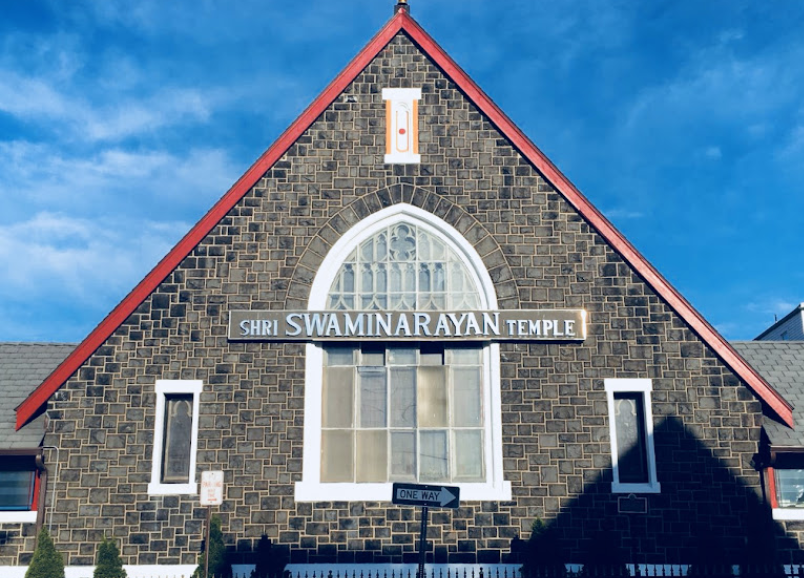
<point x="412" y="236"/>
<point x="403" y="198"/>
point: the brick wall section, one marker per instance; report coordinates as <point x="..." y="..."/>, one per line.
<point x="17" y="542"/>
<point x="264" y="255"/>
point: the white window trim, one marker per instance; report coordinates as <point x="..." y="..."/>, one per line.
<point x="788" y="513"/>
<point x="18" y="517"/>
<point x="311" y="489"/>
<point x="645" y="386"/>
<point x="164" y="387"/>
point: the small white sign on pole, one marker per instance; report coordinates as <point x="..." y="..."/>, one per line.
<point x="211" y="488"/>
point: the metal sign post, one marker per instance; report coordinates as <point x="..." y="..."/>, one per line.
<point x="211" y="495"/>
<point x="206" y="544"/>
<point x="425" y="497"/>
<point x="422" y="544"/>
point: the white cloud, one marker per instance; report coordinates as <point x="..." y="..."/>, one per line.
<point x="776" y="306"/>
<point x="713" y="152"/>
<point x="717" y="85"/>
<point x="31" y="97"/>
<point x="623" y="213"/>
<point x="49" y="176"/>
<point x="54" y="257"/>
<point x="77" y="118"/>
<point x="793" y="148"/>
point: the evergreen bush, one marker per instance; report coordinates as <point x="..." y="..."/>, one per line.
<point x="110" y="564"/>
<point x="269" y="563"/>
<point x="47" y="562"/>
<point x="219" y="566"/>
<point x="543" y="552"/>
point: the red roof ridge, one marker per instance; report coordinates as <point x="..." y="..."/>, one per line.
<point x="402" y="21"/>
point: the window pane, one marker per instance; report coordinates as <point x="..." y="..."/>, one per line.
<point x="337" y="451"/>
<point x="366" y="280"/>
<point x="409" y="278"/>
<point x="403" y="397"/>
<point x="432" y="396"/>
<point x="381" y="279"/>
<point x="373" y="401"/>
<point x="431" y="354"/>
<point x="466" y="402"/>
<point x="403" y="456"/>
<point x="401" y="356"/>
<point x="790" y="488"/>
<point x="373" y="354"/>
<point x="16" y="489"/>
<point x="372" y="456"/>
<point x="433" y="456"/>
<point x="338" y="401"/>
<point x="469" y="455"/>
<point x="339" y="355"/>
<point x="630" y="426"/>
<point x="177" y="438"/>
<point x="463" y="356"/>
<point x="425" y="284"/>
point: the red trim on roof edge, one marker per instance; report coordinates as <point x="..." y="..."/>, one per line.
<point x="402" y="21"/>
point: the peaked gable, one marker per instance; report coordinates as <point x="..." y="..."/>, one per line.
<point x="402" y="22"/>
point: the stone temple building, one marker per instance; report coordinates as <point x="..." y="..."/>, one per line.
<point x="402" y="290"/>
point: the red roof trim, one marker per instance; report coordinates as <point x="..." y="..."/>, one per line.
<point x="403" y="21"/>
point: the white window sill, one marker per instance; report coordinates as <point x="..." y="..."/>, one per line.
<point x="172" y="489"/>
<point x="318" y="492"/>
<point x="618" y="488"/>
<point x="788" y="513"/>
<point x="18" y="517"/>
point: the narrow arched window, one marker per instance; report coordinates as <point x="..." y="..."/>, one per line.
<point x="382" y="412"/>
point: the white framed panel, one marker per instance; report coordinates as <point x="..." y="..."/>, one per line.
<point x="163" y="388"/>
<point x="627" y="385"/>
<point x="311" y="489"/>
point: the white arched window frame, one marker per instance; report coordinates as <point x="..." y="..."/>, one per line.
<point x="311" y="489"/>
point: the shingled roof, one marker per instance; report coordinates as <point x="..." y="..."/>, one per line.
<point x="23" y="367"/>
<point x="781" y="363"/>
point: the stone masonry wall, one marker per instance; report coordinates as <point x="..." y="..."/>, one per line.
<point x="540" y="253"/>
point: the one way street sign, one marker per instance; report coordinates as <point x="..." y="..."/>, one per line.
<point x="427" y="496"/>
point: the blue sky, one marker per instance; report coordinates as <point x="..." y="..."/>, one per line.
<point x="121" y="123"/>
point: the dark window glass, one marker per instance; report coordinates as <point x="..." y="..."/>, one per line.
<point x="17" y="480"/>
<point x="177" y="438"/>
<point x="632" y="458"/>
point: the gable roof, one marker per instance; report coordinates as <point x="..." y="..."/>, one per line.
<point x="402" y="22"/>
<point x="782" y="364"/>
<point x="23" y="366"/>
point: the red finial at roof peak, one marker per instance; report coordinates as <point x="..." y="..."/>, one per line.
<point x="402" y="5"/>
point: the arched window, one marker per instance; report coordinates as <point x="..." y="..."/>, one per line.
<point x="381" y="412"/>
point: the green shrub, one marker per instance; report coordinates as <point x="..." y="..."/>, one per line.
<point x="47" y="562"/>
<point x="110" y="564"/>
<point x="542" y="551"/>
<point x="219" y="566"/>
<point x="269" y="563"/>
